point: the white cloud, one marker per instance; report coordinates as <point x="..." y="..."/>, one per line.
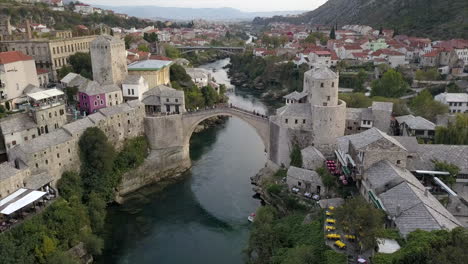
<point x="244" y="5"/>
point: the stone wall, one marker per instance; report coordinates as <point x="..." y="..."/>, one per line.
<point x="328" y="124"/>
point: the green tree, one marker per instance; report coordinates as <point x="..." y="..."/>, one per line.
<point x="97" y="159"/>
<point x="332" y="33"/>
<point x="428" y="75"/>
<point x="356" y="100"/>
<point x="71" y="92"/>
<point x="328" y="180"/>
<point x="151" y="38"/>
<point x="452" y="169"/>
<point x="171" y="51"/>
<point x="93" y="244"/>
<point x="210" y="95"/>
<point x="361" y="80"/>
<point x="143" y="47"/>
<point x="70" y="185"/>
<point x="391" y="84"/>
<point x="424" y="105"/>
<point x="64" y="71"/>
<point x="97" y="212"/>
<point x="81" y="64"/>
<point x="456" y="133"/>
<point x="296" y="156"/>
<point x="60" y="257"/>
<point x="361" y="219"/>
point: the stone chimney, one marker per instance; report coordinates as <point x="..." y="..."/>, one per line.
<point x="398" y="210"/>
<point x="426" y="192"/>
<point x="28" y="30"/>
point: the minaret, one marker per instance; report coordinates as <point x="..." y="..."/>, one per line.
<point x="108" y="59"/>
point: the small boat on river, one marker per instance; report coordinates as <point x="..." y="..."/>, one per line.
<point x="251" y="217"/>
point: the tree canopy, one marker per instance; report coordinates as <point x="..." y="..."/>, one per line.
<point x="392" y="84"/>
<point x="456" y="133"/>
<point x="424" y="105"/>
<point x="296" y="156"/>
<point x="361" y="219"/>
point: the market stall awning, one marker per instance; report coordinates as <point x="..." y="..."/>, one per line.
<point x="19" y="199"/>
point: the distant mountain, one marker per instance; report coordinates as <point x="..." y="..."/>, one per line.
<point x="431" y="18"/>
<point x="186" y="14"/>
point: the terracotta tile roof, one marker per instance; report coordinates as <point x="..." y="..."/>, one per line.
<point x="13" y="56"/>
<point x="42" y="71"/>
<point x="432" y="53"/>
<point x="159" y="57"/>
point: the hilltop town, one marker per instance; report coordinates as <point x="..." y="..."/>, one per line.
<point x="369" y="114"/>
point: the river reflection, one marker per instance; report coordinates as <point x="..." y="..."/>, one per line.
<point x="202" y="218"/>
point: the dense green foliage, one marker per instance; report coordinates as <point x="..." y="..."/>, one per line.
<point x="97" y="159"/>
<point x="277" y="239"/>
<point x="425" y="18"/>
<point x="456" y="133"/>
<point x="296" y="156"/>
<point x="434" y="247"/>
<point x="328" y="180"/>
<point x="194" y="96"/>
<point x="359" y="100"/>
<point x="391" y="84"/>
<point x="427" y="75"/>
<point x="270" y="73"/>
<point x="424" y="105"/>
<point x="80" y="63"/>
<point x="447" y="167"/>
<point x="66" y="20"/>
<point x="79" y="214"/>
<point x="361" y="219"/>
<point x="316" y="36"/>
<point x="355" y="81"/>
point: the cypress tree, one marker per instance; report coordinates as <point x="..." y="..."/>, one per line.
<point x="332" y="33"/>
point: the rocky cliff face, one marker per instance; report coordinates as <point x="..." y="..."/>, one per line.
<point x="426" y="18"/>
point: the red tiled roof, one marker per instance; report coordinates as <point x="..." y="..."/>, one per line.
<point x="352" y="47"/>
<point x="42" y="71"/>
<point x="13" y="56"/>
<point x="359" y="54"/>
<point x="432" y="53"/>
<point x="159" y="57"/>
<point x="333" y="55"/>
<point x="322" y="52"/>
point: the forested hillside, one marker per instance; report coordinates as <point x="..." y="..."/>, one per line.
<point x="40" y="13"/>
<point x="426" y="18"/>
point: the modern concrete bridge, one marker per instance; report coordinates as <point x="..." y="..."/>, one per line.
<point x="230" y="50"/>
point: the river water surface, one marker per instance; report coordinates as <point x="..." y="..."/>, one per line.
<point x="202" y="219"/>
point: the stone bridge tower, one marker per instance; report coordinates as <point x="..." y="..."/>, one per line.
<point x="314" y="117"/>
<point x="328" y="112"/>
<point x="109" y="60"/>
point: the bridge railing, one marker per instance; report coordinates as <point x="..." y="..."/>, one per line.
<point x="224" y="107"/>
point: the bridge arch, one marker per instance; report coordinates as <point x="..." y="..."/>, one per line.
<point x="259" y="123"/>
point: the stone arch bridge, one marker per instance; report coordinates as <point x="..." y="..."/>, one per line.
<point x="260" y="123"/>
<point x="169" y="140"/>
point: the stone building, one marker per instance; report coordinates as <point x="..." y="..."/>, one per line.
<point x="11" y="178"/>
<point x="17" y="71"/>
<point x="133" y="87"/>
<point x="379" y="115"/>
<point x="92" y="96"/>
<point x="307" y="181"/>
<point x="165" y="100"/>
<point x="415" y="126"/>
<point x="457" y="102"/>
<point x="5" y="26"/>
<point x="57" y="152"/>
<point x="45" y="113"/>
<point x="313" y="117"/>
<point x="50" y="54"/>
<point x="155" y="72"/>
<point x="108" y="58"/>
<point x="366" y="148"/>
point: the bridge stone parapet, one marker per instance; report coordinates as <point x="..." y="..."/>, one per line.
<point x="226" y="49"/>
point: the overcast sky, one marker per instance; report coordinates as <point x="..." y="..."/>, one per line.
<point x="244" y="5"/>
